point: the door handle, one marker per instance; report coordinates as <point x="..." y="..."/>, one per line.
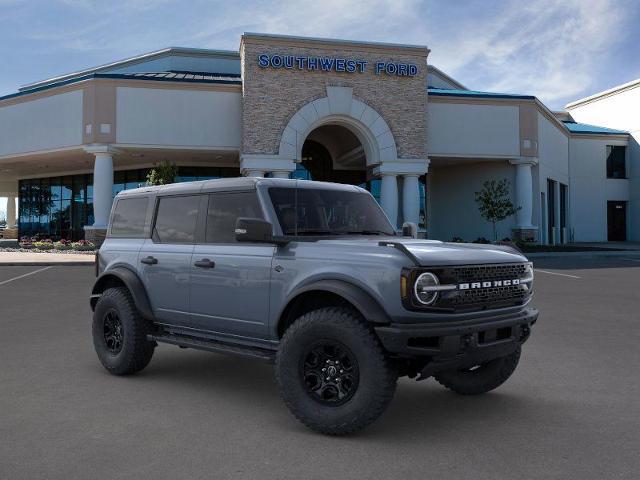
<point x="149" y="260"/>
<point x="205" y="263"/>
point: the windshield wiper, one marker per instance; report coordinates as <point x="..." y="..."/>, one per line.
<point x="368" y="232"/>
<point x="316" y="231"/>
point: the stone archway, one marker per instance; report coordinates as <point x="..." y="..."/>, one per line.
<point x="339" y="107"/>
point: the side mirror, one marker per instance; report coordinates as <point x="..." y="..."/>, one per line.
<point x="410" y="229"/>
<point x="254" y="230"/>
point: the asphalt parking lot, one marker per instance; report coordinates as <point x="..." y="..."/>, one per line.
<point x="571" y="410"/>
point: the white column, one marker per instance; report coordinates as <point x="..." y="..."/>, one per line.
<point x="524" y="193"/>
<point x="280" y="174"/>
<point x="102" y="188"/>
<point x="411" y="198"/>
<point x="389" y="197"/>
<point x="254" y="173"/>
<point x="11" y="212"/>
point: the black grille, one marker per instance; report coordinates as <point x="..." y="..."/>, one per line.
<point x="482" y="298"/>
<point x="479" y="273"/>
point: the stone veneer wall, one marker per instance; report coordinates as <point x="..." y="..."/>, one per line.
<point x="272" y="96"/>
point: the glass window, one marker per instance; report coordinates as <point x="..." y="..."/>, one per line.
<point x="129" y="216"/>
<point x="119" y="179"/>
<point x="224" y="209"/>
<point x="176" y="219"/>
<point x="328" y="212"/>
<point x="67" y="192"/>
<point x="616" y="167"/>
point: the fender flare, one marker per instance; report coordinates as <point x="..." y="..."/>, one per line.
<point x="133" y="284"/>
<point x="369" y="307"/>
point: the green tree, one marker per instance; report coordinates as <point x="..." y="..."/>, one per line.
<point x="494" y="203"/>
<point x="162" y="174"/>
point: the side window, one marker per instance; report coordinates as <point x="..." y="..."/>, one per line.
<point x="224" y="210"/>
<point x="129" y="216"/>
<point x="176" y="219"/>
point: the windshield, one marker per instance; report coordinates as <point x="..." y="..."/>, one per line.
<point x="313" y="211"/>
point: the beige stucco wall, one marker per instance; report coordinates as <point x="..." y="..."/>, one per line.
<point x="272" y="96"/>
<point x="178" y="117"/>
<point x="473" y="129"/>
<point x="49" y="122"/>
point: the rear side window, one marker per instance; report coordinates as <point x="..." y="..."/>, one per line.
<point x="224" y="210"/>
<point x="129" y="216"/>
<point x="176" y="219"/>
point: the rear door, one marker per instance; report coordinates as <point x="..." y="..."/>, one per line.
<point x="230" y="281"/>
<point x="165" y="258"/>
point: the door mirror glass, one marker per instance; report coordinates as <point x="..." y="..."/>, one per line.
<point x="254" y="230"/>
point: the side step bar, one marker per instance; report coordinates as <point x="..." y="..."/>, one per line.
<point x="209" y="345"/>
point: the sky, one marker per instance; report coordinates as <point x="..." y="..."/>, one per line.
<point x="557" y="50"/>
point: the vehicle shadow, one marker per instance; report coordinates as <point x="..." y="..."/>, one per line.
<point x="420" y="410"/>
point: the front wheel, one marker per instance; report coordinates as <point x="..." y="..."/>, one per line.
<point x="481" y="378"/>
<point x="332" y="372"/>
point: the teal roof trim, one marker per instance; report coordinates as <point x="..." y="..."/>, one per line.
<point x="444" y="92"/>
<point x="184" y="77"/>
<point x="585" y="128"/>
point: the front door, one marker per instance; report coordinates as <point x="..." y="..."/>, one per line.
<point x="617" y="221"/>
<point x="230" y="281"/>
<point x="165" y="259"/>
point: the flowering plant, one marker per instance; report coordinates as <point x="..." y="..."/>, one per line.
<point x="83" y="245"/>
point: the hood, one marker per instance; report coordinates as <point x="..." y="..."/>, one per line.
<point x="434" y="252"/>
<point x="431" y="252"/>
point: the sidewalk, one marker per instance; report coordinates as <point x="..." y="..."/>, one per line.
<point x="44" y="259"/>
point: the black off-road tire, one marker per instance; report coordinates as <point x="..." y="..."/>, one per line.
<point x="482" y="379"/>
<point x="370" y="393"/>
<point x="135" y="350"/>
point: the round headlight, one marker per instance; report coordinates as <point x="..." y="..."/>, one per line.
<point x="422" y="289"/>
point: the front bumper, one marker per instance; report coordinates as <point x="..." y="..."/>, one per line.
<point x="460" y="344"/>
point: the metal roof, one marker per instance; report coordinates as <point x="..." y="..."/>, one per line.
<point x="187" y="77"/>
<point x="444" y="92"/>
<point x="135" y="60"/>
<point x="585" y="128"/>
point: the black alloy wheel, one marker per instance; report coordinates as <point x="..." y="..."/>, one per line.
<point x="113" y="332"/>
<point x="330" y="373"/>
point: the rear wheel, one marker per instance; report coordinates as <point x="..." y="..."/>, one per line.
<point x="120" y="333"/>
<point x="480" y="378"/>
<point x="332" y="372"/>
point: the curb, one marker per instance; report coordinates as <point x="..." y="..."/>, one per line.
<point x="47" y="264"/>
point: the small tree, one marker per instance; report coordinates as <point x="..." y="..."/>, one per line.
<point x="162" y="174"/>
<point x="494" y="203"/>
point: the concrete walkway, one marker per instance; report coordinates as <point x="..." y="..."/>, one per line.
<point x="37" y="259"/>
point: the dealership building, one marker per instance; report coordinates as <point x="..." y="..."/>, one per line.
<point x="370" y="114"/>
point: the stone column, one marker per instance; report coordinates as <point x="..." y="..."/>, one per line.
<point x="389" y="197"/>
<point x="411" y="198"/>
<point x="524" y="230"/>
<point x="11" y="212"/>
<point x="410" y="170"/>
<point x="255" y="165"/>
<point x="102" y="192"/>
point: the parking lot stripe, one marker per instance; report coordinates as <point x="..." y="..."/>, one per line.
<point x="555" y="273"/>
<point x="25" y="275"/>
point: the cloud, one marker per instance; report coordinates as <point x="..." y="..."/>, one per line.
<point x="547" y="48"/>
<point x="557" y="50"/>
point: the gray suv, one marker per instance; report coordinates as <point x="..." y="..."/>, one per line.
<point x="310" y="276"/>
